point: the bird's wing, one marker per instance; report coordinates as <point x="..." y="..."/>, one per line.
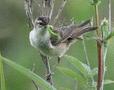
<point x="73" y="31"/>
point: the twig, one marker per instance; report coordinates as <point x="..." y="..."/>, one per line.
<point x="59" y="11"/>
<point x="47" y="9"/>
<point x="29" y="13"/>
<point x="97" y="19"/>
<point x="86" y="56"/>
<point x="45" y="60"/>
<point x="110" y="16"/>
<point x="52" y="8"/>
<point x="85" y="51"/>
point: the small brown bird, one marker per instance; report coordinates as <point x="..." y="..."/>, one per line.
<point x="51" y="41"/>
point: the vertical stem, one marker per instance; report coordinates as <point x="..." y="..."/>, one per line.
<point x="100" y="68"/>
<point x="49" y="74"/>
<point x="104" y="61"/>
<point x="59" y="11"/>
<point x="110" y="16"/>
<point x="87" y="59"/>
<point x="97" y="19"/>
<point x="45" y="60"/>
<point x="85" y="51"/>
<point x="105" y="46"/>
<point x="100" y="53"/>
<point x="29" y="12"/>
<point x="52" y="8"/>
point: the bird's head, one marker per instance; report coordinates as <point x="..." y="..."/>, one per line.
<point x="42" y="21"/>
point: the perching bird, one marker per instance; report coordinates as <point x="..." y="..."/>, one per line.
<point x="51" y="41"/>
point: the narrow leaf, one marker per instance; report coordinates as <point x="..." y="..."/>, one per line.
<point x="2" y="75"/>
<point x="108" y="82"/>
<point x="110" y="36"/>
<point x="70" y="73"/>
<point x="80" y="66"/>
<point x="94" y="72"/>
<point x="41" y="82"/>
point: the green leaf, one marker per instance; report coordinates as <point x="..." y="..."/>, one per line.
<point x="38" y="80"/>
<point x="2" y="78"/>
<point x="110" y="36"/>
<point x="80" y="66"/>
<point x="70" y="73"/>
<point x="108" y="82"/>
<point x="95" y="2"/>
<point x="105" y="29"/>
<point x="94" y="72"/>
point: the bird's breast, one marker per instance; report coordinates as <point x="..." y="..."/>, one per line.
<point x="39" y="40"/>
<point x="42" y="42"/>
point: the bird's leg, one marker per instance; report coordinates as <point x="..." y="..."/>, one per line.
<point x="45" y="60"/>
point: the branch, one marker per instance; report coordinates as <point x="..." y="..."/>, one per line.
<point x="29" y="12"/>
<point x="59" y="11"/>
<point x="45" y="60"/>
<point x="52" y="8"/>
<point x="47" y="8"/>
<point x="86" y="57"/>
<point x="110" y="16"/>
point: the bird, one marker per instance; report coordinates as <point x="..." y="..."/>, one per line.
<point x="55" y="41"/>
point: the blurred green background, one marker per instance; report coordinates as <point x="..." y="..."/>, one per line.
<point x="14" y="43"/>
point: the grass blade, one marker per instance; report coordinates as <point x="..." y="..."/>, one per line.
<point x="80" y="66"/>
<point x="108" y="82"/>
<point x="70" y="73"/>
<point x="38" y="80"/>
<point x="2" y="78"/>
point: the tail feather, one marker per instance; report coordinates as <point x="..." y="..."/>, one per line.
<point x="87" y="22"/>
<point x="73" y="31"/>
<point x="83" y="28"/>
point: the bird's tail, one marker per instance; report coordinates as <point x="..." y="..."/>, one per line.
<point x="83" y="28"/>
<point x="73" y="31"/>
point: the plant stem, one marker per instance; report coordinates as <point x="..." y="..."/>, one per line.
<point x="87" y="59"/>
<point x="110" y="16"/>
<point x="29" y="12"/>
<point x="104" y="61"/>
<point x="59" y="11"/>
<point x="105" y="47"/>
<point x="97" y="19"/>
<point x="45" y="60"/>
<point x="85" y="51"/>
<point x="100" y="68"/>
<point x="100" y="52"/>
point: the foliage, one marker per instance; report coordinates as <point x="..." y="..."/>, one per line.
<point x="82" y="73"/>
<point x="41" y="82"/>
<point x="15" y="45"/>
<point x="2" y="78"/>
